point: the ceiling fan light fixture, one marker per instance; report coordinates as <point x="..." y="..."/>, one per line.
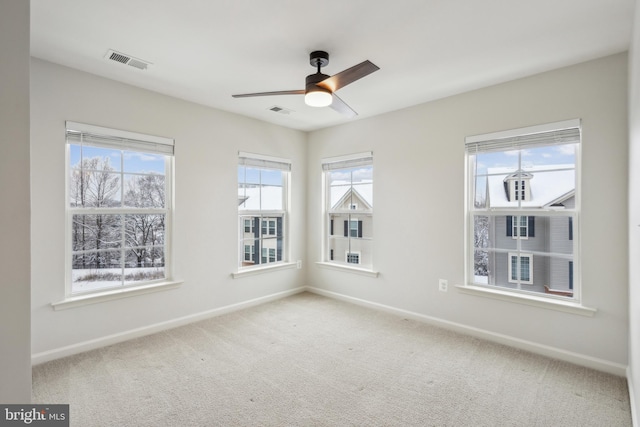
<point x="318" y="98"/>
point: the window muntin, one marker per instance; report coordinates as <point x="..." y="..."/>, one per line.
<point x="118" y="192"/>
<point x="524" y="258"/>
<point x="262" y="209"/>
<point x="349" y="210"/>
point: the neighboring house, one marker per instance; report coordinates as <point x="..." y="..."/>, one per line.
<point x="543" y="187"/>
<point x="261" y="234"/>
<point x="350" y="223"/>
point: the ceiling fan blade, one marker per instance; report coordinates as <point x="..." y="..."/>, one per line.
<point x="348" y="76"/>
<point x="341" y="107"/>
<point x="281" y="92"/>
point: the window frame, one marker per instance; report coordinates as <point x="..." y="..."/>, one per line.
<point x="352" y="214"/>
<point x="266" y="217"/>
<point x="82" y="134"/>
<point x="502" y="291"/>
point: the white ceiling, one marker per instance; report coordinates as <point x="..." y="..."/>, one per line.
<point x="206" y="50"/>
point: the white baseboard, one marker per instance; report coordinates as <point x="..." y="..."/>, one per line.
<point x="553" y="352"/>
<point x="632" y="399"/>
<point x="58" y="353"/>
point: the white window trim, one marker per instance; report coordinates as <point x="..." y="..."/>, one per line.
<point x="336" y="163"/>
<point x="572" y="305"/>
<point x="263" y="268"/>
<point x="132" y="141"/>
<point x="519" y="256"/>
<point x="261" y="161"/>
<point x="348" y="268"/>
<point x="113" y="294"/>
<point x="503" y="294"/>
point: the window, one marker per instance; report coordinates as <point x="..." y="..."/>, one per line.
<point x="521" y="268"/>
<point x="249" y="252"/>
<point x="349" y="209"/>
<point x="118" y="208"/>
<point x="521" y="227"/>
<point x="262" y="209"/>
<point x="353" y="257"/>
<point x="524" y="181"/>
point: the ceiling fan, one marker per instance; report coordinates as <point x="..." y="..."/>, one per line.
<point x="320" y="88"/>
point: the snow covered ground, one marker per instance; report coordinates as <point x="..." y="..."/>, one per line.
<point x="111" y="277"/>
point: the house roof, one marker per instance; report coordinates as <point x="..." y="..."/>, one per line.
<point x="549" y="184"/>
<point x="340" y="190"/>
<point x="270" y="198"/>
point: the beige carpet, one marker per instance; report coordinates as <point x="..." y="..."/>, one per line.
<point x="312" y="361"/>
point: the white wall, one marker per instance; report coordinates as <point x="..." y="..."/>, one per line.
<point x="419" y="206"/>
<point x="205" y="239"/>
<point x="15" y="345"/>
<point x="634" y="216"/>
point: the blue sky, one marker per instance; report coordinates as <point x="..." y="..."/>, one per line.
<point x="134" y="162"/>
<point x="259" y="176"/>
<point x="549" y="155"/>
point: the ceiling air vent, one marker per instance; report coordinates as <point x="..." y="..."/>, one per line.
<point x="127" y="59"/>
<point x="280" y="110"/>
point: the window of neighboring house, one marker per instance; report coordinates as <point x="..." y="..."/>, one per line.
<point x="349" y="209"/>
<point x="353" y="257"/>
<point x="118" y="209"/>
<point x="249" y="252"/>
<point x="262" y="209"/>
<point x="525" y="181"/>
<point x="521" y="268"/>
<point x="521" y="226"/>
<point x="353" y="228"/>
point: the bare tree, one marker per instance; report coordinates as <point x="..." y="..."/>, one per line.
<point x="145" y="232"/>
<point x="93" y="185"/>
<point x="481" y="226"/>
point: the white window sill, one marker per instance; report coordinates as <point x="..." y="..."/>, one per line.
<point x="250" y="271"/>
<point x="339" y="267"/>
<point x="113" y="294"/>
<point x="532" y="300"/>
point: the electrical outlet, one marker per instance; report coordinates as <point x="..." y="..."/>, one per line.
<point x="299" y="264"/>
<point x="443" y="285"/>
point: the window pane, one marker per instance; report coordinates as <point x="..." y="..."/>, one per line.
<point x="94" y="189"/>
<point x="144" y="191"/>
<point x="349" y="235"/>
<point x="261" y="189"/>
<point x="96" y="270"/>
<point x="92" y="157"/>
<point x="527" y="252"/>
<point x="90" y="232"/>
<point x="137" y="162"/>
<point x="103" y="244"/>
<point x="144" y="230"/>
<point x="144" y="264"/>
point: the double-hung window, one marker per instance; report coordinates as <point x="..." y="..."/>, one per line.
<point x="263" y="198"/>
<point x="522" y="209"/>
<point x="349" y="210"/>
<point x="118" y="208"/>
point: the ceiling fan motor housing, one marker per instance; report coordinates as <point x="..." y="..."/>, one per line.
<point x="311" y="81"/>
